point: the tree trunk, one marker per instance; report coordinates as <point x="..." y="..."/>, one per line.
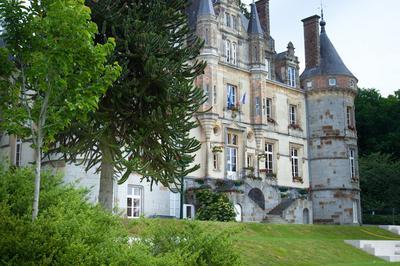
<point x="106" y="180"/>
<point x="35" y="209"/>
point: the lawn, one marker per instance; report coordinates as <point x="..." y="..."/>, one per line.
<point x="267" y="244"/>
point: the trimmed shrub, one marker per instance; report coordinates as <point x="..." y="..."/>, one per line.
<point x="214" y="206"/>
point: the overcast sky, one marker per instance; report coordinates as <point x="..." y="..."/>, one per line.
<point x="364" y="32"/>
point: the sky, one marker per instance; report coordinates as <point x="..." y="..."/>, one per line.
<point x="364" y="32"/>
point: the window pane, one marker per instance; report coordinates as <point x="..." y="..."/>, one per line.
<point x="129" y="202"/>
<point x="129" y="212"/>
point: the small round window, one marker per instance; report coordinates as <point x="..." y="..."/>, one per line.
<point x="332" y="82"/>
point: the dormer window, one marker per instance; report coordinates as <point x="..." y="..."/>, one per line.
<point x="234" y="22"/>
<point x="332" y="82"/>
<point x="352" y="84"/>
<point x="292" y="76"/>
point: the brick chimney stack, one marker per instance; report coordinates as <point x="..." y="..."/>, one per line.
<point x="311" y="41"/>
<point x="263" y="13"/>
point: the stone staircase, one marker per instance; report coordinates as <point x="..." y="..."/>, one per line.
<point x="395" y="229"/>
<point x="275" y="215"/>
<point x="274" y="219"/>
<point x="285" y="203"/>
<point x="388" y="250"/>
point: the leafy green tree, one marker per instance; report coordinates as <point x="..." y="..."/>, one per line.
<point x="376" y="120"/>
<point x="380" y="182"/>
<point x="143" y="122"/>
<point x="214" y="206"/>
<point x="52" y="73"/>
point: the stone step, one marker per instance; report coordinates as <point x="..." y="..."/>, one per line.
<point x="392" y="228"/>
<point x="274" y="219"/>
<point x="395" y="258"/>
<point x="384" y="249"/>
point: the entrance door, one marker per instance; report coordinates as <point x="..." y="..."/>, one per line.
<point x="306" y="216"/>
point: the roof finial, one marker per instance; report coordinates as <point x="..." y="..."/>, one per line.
<point x="322" y="23"/>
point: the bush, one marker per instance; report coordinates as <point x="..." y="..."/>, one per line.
<point x="188" y="241"/>
<point x="70" y="231"/>
<point x="379" y="219"/>
<point x="214" y="206"/>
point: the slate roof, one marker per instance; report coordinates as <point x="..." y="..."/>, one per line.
<point x="205" y="8"/>
<point x="254" y="23"/>
<point x="330" y="61"/>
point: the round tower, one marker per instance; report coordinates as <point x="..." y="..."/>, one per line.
<point x="330" y="91"/>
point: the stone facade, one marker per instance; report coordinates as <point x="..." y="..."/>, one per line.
<point x="266" y="129"/>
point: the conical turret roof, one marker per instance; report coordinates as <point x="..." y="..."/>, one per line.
<point x="254" y="23"/>
<point x="330" y="61"/>
<point x="205" y="8"/>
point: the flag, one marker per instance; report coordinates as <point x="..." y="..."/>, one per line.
<point x="243" y="100"/>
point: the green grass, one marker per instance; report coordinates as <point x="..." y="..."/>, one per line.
<point x="263" y="244"/>
<point x="266" y="244"/>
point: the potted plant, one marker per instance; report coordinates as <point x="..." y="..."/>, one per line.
<point x="216" y="149"/>
<point x="298" y="179"/>
<point x="295" y="126"/>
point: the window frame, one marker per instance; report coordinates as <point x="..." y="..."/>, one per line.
<point x="234" y="53"/>
<point x="292" y="76"/>
<point x="268" y="107"/>
<point x="234" y="96"/>
<point x="18" y="152"/>
<point x="133" y="197"/>
<point x="232" y="153"/>
<point x="292" y="114"/>
<point x="228" y="51"/>
<point x="295" y="161"/>
<point x="269" y="157"/>
<point x="352" y="161"/>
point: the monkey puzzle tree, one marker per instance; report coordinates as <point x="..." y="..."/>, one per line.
<point x="143" y="123"/>
<point x="51" y="71"/>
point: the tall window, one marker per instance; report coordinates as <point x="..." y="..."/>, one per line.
<point x="250" y="160"/>
<point x="234" y="22"/>
<point x="257" y="105"/>
<point x="233" y="53"/>
<point x="231" y="96"/>
<point x="352" y="163"/>
<point x="232" y="151"/>
<point x="292" y="76"/>
<point x="292" y="114"/>
<point x="295" y="161"/>
<point x="215" y="161"/>
<point x="267" y="68"/>
<point x="269" y="156"/>
<point x="350" y="120"/>
<point x="174" y="204"/>
<point x="207" y="37"/>
<point x="228" y="51"/>
<point x="134" y="202"/>
<point x="227" y="19"/>
<point x="207" y="92"/>
<point x="18" y="152"/>
<point x="268" y="107"/>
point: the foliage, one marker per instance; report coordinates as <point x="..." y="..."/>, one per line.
<point x="143" y="123"/>
<point x="380" y="219"/>
<point x="379" y="182"/>
<point x="244" y="9"/>
<point x="214" y="206"/>
<point x="376" y="118"/>
<point x="51" y="71"/>
<point x="188" y="240"/>
<point x="70" y="231"/>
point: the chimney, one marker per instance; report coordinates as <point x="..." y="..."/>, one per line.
<point x="311" y="41"/>
<point x="263" y="13"/>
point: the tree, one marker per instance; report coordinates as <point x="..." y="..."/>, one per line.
<point x="52" y="73"/>
<point x="214" y="206"/>
<point x="143" y="122"/>
<point x="376" y="118"/>
<point x="380" y="182"/>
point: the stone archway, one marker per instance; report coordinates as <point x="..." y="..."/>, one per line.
<point x="258" y="197"/>
<point x="306" y="216"/>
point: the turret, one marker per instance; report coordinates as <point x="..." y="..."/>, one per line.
<point x="206" y="26"/>
<point x="330" y="91"/>
<point x="256" y="39"/>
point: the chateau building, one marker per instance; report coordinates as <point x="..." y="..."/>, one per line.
<point x="280" y="144"/>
